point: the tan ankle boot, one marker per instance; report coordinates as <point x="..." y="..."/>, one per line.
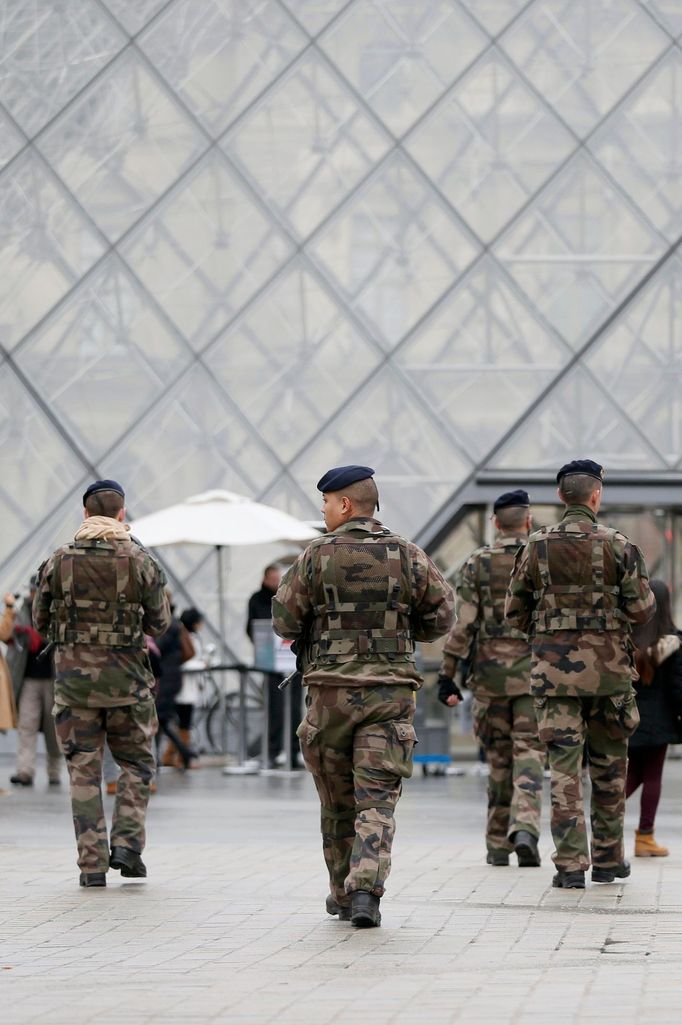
<point x="646" y="846"/>
<point x="170" y="753"/>
<point x="186" y="738"/>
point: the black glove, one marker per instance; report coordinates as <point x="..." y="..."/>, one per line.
<point x="447" y="688"/>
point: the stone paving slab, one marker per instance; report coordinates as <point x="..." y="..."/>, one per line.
<point x="230" y="926"/>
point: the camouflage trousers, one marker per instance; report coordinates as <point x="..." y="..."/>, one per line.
<point x="507" y="729"/>
<point x="358" y="743"/>
<point x="129" y="730"/>
<point x="603" y="723"/>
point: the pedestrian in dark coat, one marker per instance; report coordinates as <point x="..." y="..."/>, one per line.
<point x="659" y="700"/>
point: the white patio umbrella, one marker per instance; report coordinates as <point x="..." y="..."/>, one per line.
<point x="221" y="519"/>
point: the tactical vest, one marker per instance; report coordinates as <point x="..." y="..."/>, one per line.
<point x="96" y="597"/>
<point x="590" y="602"/>
<point x="494" y="566"/>
<point x="362" y="590"/>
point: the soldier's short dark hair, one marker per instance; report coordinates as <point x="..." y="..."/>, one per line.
<point x="577" y="488"/>
<point x="514" y="516"/>
<point x="364" y="495"/>
<point x="105" y="503"/>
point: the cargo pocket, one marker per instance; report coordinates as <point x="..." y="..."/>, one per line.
<point x="481" y="722"/>
<point x="308" y="735"/>
<point x="621" y="715"/>
<point x="545" y="724"/>
<point x="406" y="740"/>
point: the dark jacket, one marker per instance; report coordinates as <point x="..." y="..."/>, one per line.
<point x="660" y="705"/>
<point x="260" y="607"/>
<point x="170" y="678"/>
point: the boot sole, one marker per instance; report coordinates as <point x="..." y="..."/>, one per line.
<point x="126" y="871"/>
<point x="527" y="856"/>
<point x="652" y="854"/>
<point x="364" y="921"/>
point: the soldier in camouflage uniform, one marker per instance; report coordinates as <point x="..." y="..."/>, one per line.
<point x="96" y="599"/>
<point x="576" y="588"/>
<point x="499" y="659"/>
<point x="355" y="601"/>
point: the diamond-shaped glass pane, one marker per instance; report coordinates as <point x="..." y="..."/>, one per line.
<point x="103" y="358"/>
<point x="291" y="361"/>
<point x="579" y="250"/>
<point x="11" y="140"/>
<point x="315" y="14"/>
<point x="36" y="465"/>
<point x="641" y="146"/>
<point x="121" y="145"/>
<point x="394" y="250"/>
<point x="45" y="245"/>
<point x="219" y="55"/>
<point x="490" y="145"/>
<point x="482" y="341"/>
<point x="50" y="49"/>
<point x="134" y="14"/>
<point x="192" y="441"/>
<point x="306" y="144"/>
<point x="205" y="250"/>
<point x="668" y="12"/>
<point x="287" y="495"/>
<point x="641" y="358"/>
<point x="385" y="426"/>
<point x="581" y="418"/>
<point x="402" y="56"/>
<point x="494" y="15"/>
<point x="583" y="56"/>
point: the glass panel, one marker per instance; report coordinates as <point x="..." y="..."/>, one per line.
<point x="490" y="145"/>
<point x="482" y="341"/>
<point x="46" y="244"/>
<point x="36" y="465"/>
<point x="11" y="140"/>
<point x="641" y="357"/>
<point x="206" y="250"/>
<point x="103" y="358"/>
<point x="641" y="146"/>
<point x="583" y="56"/>
<point x="315" y="14"/>
<point x="578" y="250"/>
<point x="307" y="144"/>
<point x="494" y="15"/>
<point x="291" y="361"/>
<point x="286" y="494"/>
<point x="668" y="13"/>
<point x="192" y="441"/>
<point x="575" y="421"/>
<point x="134" y="14"/>
<point x="468" y="534"/>
<point x="121" y="145"/>
<point x="220" y="54"/>
<point x="394" y="250"/>
<point x="384" y="426"/>
<point x="402" y="56"/>
<point x="50" y="50"/>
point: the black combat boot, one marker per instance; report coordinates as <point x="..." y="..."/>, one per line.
<point x="128" y="862"/>
<point x="569" y="880"/>
<point x="498" y="858"/>
<point x="608" y="875"/>
<point x="364" y="910"/>
<point x="93" y="879"/>
<point x="526" y="847"/>
<point x="334" y="908"/>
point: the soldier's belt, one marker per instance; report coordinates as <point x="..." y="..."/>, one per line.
<point x="567" y="620"/>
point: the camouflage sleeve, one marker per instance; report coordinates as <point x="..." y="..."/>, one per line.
<point x="433" y="604"/>
<point x="155" y="604"/>
<point x="519" y="603"/>
<point x="291" y="606"/>
<point x="462" y="637"/>
<point x="42" y="599"/>
<point x="637" y="599"/>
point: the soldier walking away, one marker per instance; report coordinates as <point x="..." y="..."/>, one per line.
<point x="498" y="656"/>
<point x="97" y="597"/>
<point x="576" y="589"/>
<point x="355" y="602"/>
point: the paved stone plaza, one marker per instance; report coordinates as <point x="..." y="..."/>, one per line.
<point x="231" y="928"/>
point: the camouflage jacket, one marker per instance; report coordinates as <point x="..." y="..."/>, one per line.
<point x="356" y="600"/>
<point x="498" y="655"/>
<point x="127" y="584"/>
<point x="576" y="589"/>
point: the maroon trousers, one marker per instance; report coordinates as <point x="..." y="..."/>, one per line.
<point x="645" y="767"/>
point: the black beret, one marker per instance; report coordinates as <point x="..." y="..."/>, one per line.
<point x="511" y="498"/>
<point x="341" y="476"/>
<point x="103" y="485"/>
<point x="586" y="466"/>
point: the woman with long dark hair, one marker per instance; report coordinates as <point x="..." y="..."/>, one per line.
<point x="659" y="700"/>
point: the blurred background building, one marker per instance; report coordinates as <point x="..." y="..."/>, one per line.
<point x="246" y="240"/>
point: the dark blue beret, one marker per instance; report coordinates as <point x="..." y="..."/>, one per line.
<point x="103" y="485"/>
<point x="341" y="476"/>
<point x="586" y="466"/>
<point x="511" y="498"/>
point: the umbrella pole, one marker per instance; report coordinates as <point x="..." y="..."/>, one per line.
<point x="223" y="649"/>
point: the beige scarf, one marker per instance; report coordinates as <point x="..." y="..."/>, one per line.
<point x="102" y="528"/>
